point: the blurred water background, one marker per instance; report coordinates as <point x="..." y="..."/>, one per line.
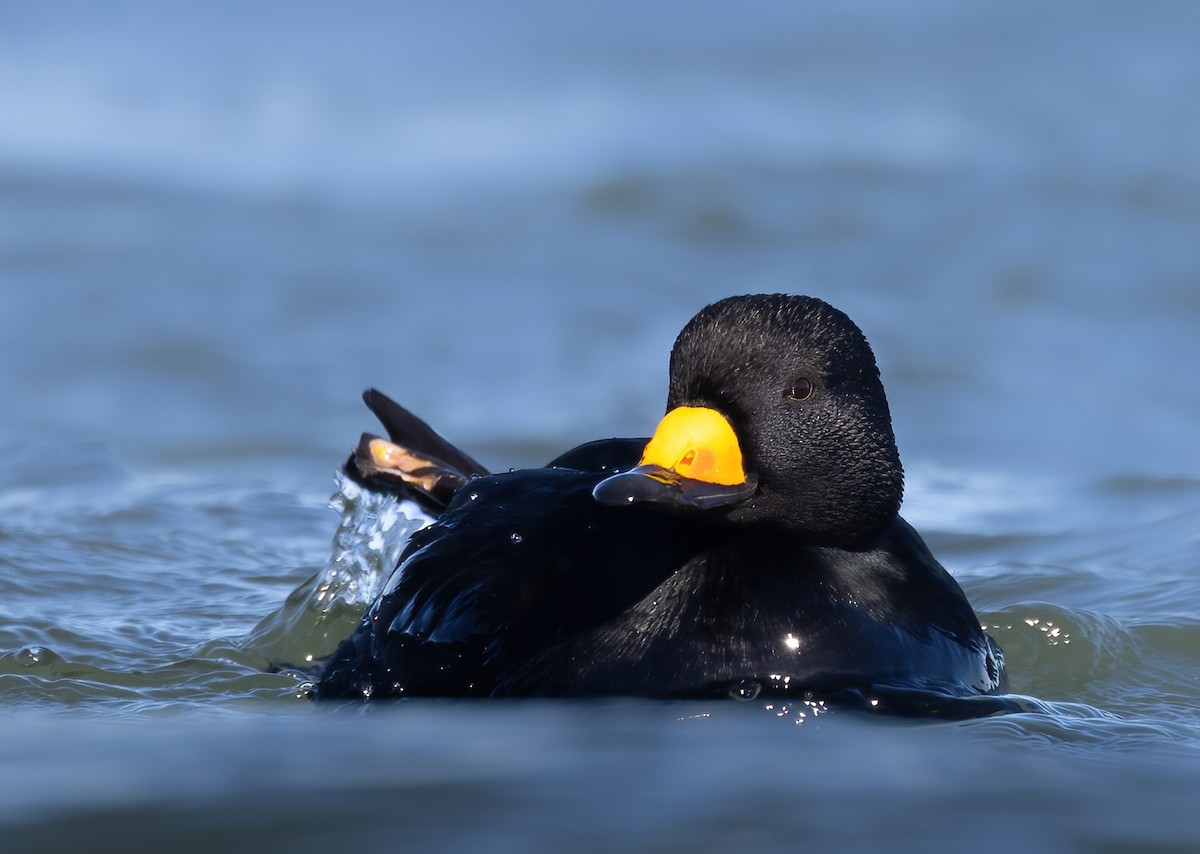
<point x="219" y="222"/>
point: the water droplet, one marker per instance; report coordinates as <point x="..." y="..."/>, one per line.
<point x="516" y="538"/>
<point x="747" y="689"/>
<point x="32" y="656"/>
<point x="473" y="496"/>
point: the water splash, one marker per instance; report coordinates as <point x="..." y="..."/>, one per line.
<point x="373" y="529"/>
<point x="371" y="534"/>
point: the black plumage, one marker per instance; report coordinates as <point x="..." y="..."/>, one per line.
<point x="605" y="574"/>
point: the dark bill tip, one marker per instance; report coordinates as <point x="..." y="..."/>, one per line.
<point x="657" y="485"/>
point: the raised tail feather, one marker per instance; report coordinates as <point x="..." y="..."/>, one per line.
<point x="416" y="463"/>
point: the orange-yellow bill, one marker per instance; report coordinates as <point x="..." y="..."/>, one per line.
<point x="694" y="459"/>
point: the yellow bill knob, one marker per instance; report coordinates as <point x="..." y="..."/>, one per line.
<point x="697" y="443"/>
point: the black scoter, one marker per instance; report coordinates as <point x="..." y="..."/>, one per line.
<point x="753" y="543"/>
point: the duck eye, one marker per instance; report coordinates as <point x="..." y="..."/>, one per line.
<point x="802" y="389"/>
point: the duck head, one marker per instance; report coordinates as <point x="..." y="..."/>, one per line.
<point x="776" y="416"/>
